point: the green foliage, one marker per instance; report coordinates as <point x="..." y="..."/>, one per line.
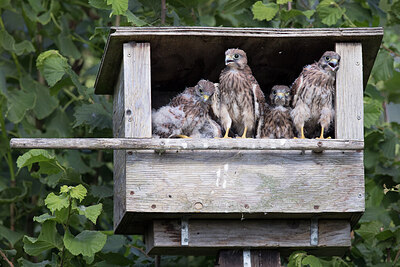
<point x="56" y="206"/>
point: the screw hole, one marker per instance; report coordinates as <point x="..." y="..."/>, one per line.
<point x="128" y="112"/>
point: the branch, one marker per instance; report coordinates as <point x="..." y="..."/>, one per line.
<point x="390" y="50"/>
<point x="163" y="11"/>
<point x="6" y="259"/>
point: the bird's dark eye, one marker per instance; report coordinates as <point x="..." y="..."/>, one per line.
<point x="274" y="92"/>
<point x="327" y="58"/>
<point x="236" y="55"/>
<point x="200" y="90"/>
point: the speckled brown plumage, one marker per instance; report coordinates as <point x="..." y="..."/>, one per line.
<point x="187" y="114"/>
<point x="313" y="95"/>
<point x="277" y="121"/>
<point x="241" y="99"/>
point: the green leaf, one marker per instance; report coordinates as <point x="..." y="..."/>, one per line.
<point x="100" y="4"/>
<point x="383" y="67"/>
<point x="372" y="111"/>
<point x="369" y="230"/>
<point x="25" y="263"/>
<point x="44" y="217"/>
<point x="95" y="115"/>
<point x="119" y="7"/>
<point x="48" y="239"/>
<point x="207" y="20"/>
<point x="264" y="11"/>
<point x="54" y="202"/>
<point x="114" y="243"/>
<point x="86" y="243"/>
<point x="282" y="2"/>
<point x="384" y="235"/>
<point x="312" y="261"/>
<point x="309" y="13"/>
<point x="329" y="12"/>
<point x="91" y="212"/>
<point x="52" y="65"/>
<point x="45" y="103"/>
<point x="8" y="43"/>
<point x="12" y="236"/>
<point x="15" y="194"/>
<point x="132" y="18"/>
<point x="18" y="103"/>
<point x="78" y="192"/>
<point x="389" y="144"/>
<point x="33" y="156"/>
<point x="67" y="46"/>
<point x="101" y="191"/>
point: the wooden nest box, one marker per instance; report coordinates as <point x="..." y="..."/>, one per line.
<point x="199" y="196"/>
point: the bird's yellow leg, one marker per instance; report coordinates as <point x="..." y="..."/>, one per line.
<point x="182" y="136"/>
<point x="302" y="134"/>
<point x="322" y="134"/>
<point x="244" y="133"/>
<point x="227" y="133"/>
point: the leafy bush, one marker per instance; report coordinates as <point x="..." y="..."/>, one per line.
<point x="51" y="51"/>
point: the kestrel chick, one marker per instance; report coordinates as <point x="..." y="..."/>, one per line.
<point x="313" y="93"/>
<point x="277" y="121"/>
<point x="241" y="99"/>
<point x="187" y="114"/>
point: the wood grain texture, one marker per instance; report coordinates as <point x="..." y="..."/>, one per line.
<point x="349" y="121"/>
<point x="245" y="182"/>
<point x="137" y="89"/>
<point x="187" y="144"/>
<point x="267" y="234"/>
<point x="258" y="258"/>
<point x="119" y="107"/>
<point x="183" y="55"/>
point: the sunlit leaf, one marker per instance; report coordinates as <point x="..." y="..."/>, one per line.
<point x="329" y="12"/>
<point x="372" y="111"/>
<point x="78" y="192"/>
<point x="119" y="7"/>
<point x="52" y="65"/>
<point x="91" y="212"/>
<point x="86" y="243"/>
<point x="264" y="11"/>
<point x="54" y="202"/>
<point x="312" y="261"/>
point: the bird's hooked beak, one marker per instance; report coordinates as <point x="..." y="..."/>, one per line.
<point x="229" y="59"/>
<point x="205" y="98"/>
<point x="280" y="95"/>
<point x="333" y="64"/>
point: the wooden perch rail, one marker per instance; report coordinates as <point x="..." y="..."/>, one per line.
<point x="187" y="144"/>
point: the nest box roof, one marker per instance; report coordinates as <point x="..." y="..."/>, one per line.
<point x="180" y="56"/>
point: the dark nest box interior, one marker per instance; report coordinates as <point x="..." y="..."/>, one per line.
<point x="199" y="201"/>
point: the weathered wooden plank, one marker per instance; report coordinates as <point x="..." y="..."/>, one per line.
<point x="137" y="89"/>
<point x="245" y="182"/>
<point x="119" y="107"/>
<point x="220" y="234"/>
<point x="248" y="258"/>
<point x="349" y="121"/>
<point x="119" y="186"/>
<point x="187" y="144"/>
<point x="181" y="55"/>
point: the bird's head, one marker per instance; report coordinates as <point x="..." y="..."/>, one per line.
<point x="204" y="90"/>
<point x="235" y="58"/>
<point x="280" y="95"/>
<point x="330" y="61"/>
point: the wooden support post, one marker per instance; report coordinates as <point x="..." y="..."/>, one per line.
<point x="349" y="92"/>
<point x="137" y="83"/>
<point x="248" y="258"/>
